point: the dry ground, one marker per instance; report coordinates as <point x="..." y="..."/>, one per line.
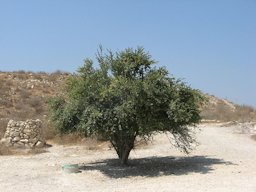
<point x="224" y="161"/>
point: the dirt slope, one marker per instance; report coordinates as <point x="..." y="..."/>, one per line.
<point x="224" y="161"/>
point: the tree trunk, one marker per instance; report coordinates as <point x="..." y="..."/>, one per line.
<point x="123" y="149"/>
<point x="124" y="156"/>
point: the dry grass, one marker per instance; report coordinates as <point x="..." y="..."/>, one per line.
<point x="67" y="139"/>
<point x="3" y="125"/>
<point x="94" y="144"/>
<point x="253" y="137"/>
<point x="76" y="139"/>
<point x="19" y="101"/>
<point x="35" y="151"/>
<point x="49" y="132"/>
<point x="5" y="150"/>
<point x="222" y="112"/>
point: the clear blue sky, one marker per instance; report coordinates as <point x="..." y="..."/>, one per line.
<point x="211" y="44"/>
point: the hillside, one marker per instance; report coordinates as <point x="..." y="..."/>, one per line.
<point x="24" y="95"/>
<point x="224" y="110"/>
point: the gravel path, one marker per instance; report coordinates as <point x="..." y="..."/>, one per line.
<point x="224" y="161"/>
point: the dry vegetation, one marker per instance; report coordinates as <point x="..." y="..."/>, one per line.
<point x="19" y="151"/>
<point x="254" y="137"/>
<point x="5" y="150"/>
<point x="223" y="110"/>
<point x="24" y="96"/>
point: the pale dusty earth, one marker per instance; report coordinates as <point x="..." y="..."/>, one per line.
<point x="225" y="161"/>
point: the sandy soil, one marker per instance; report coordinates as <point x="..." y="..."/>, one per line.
<point x="224" y="161"/>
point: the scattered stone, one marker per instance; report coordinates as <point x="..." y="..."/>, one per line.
<point x="16" y="139"/>
<point x="5" y="140"/>
<point x="33" y="141"/>
<point x="40" y="144"/>
<point x="24" y="140"/>
<point x="15" y="134"/>
<point x="246" y="128"/>
<point x="27" y="130"/>
<point x="19" y="145"/>
<point x="24" y="134"/>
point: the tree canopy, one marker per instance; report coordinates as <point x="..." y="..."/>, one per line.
<point x="126" y="97"/>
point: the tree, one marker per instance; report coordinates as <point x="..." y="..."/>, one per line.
<point x="125" y="98"/>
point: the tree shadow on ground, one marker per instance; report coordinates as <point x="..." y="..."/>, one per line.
<point x="155" y="166"/>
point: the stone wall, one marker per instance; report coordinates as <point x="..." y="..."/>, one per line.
<point x="26" y="134"/>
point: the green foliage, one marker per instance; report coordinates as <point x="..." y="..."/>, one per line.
<point x="124" y="98"/>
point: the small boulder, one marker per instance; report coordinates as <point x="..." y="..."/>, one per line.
<point x="40" y="144"/>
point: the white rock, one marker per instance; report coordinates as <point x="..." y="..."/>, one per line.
<point x="31" y="145"/>
<point x="39" y="144"/>
<point x="24" y="140"/>
<point x="18" y="144"/>
<point x="15" y="134"/>
<point x="27" y="131"/>
<point x="5" y="140"/>
<point x="15" y="139"/>
<point x="33" y="141"/>
<point x="25" y="136"/>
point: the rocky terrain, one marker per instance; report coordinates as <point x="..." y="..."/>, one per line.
<point x="224" y="110"/>
<point x="24" y="134"/>
<point x="24" y="95"/>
